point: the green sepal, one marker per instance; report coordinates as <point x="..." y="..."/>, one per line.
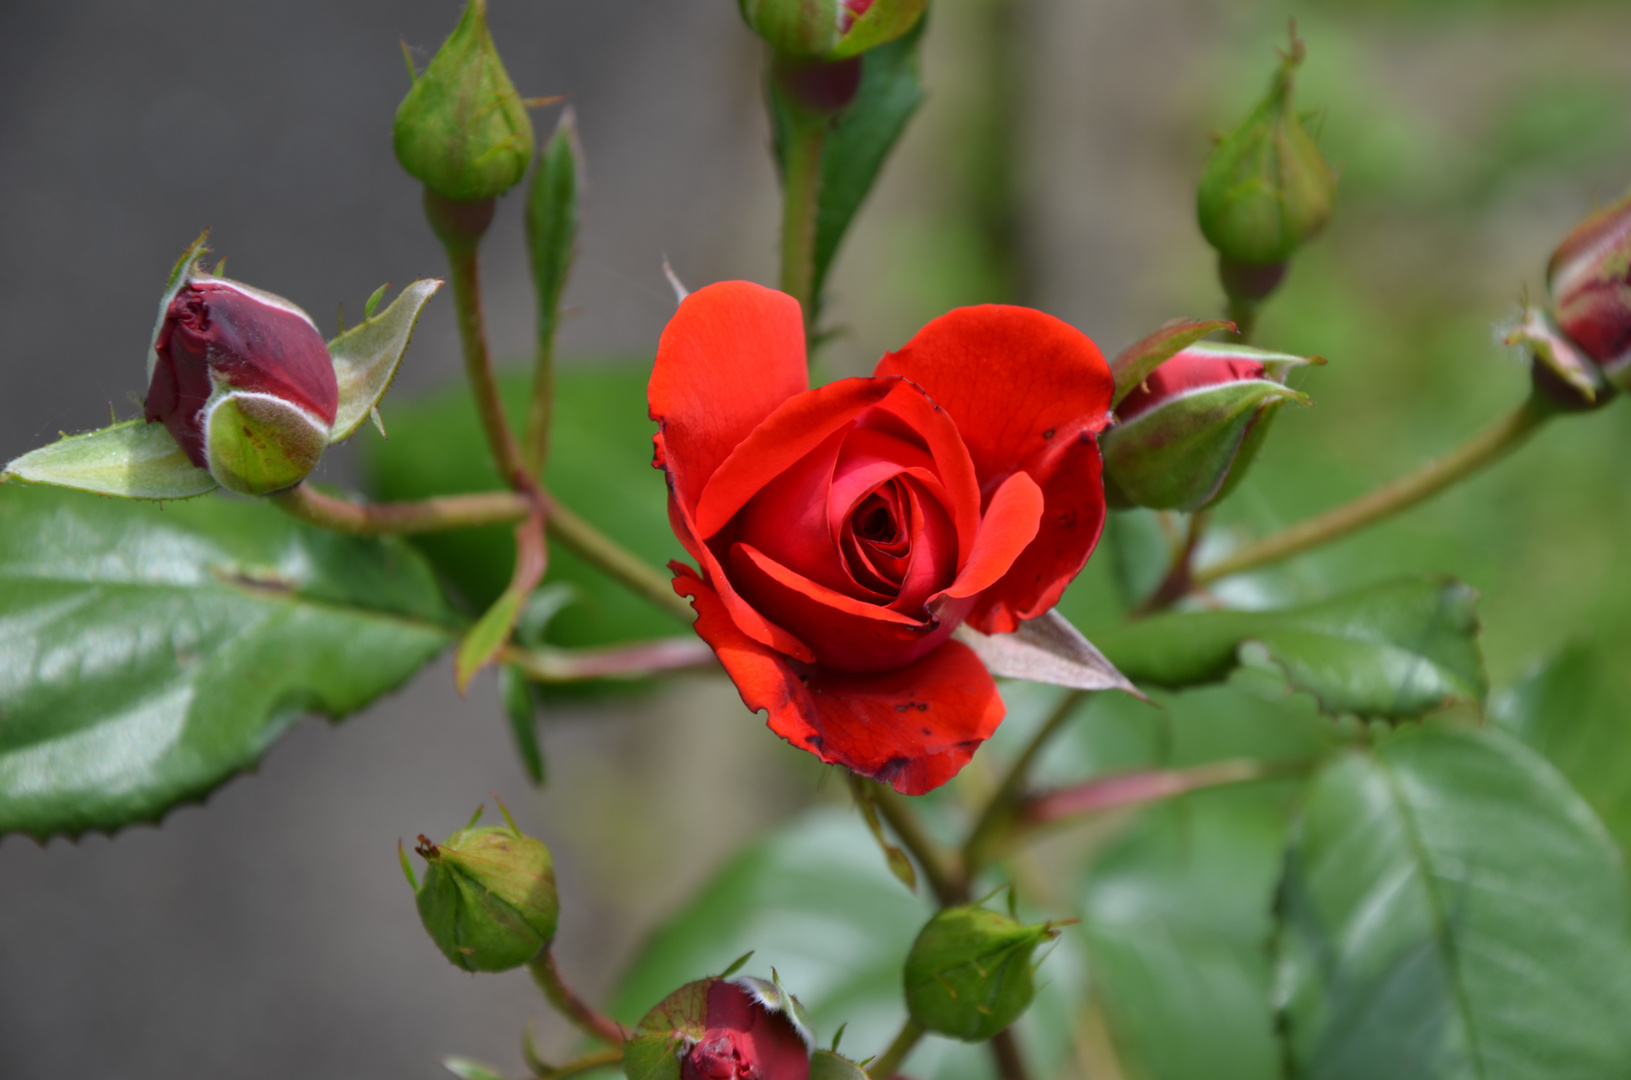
<point x="969" y="974"/>
<point x="1134" y="363"/>
<point x="132" y="460"/>
<point x="366" y="357"/>
<point x="1187" y="452"/>
<point x="463" y="131"/>
<point x="1538" y="333"/>
<point x="1266" y="188"/>
<point x="654" y="1049"/>
<point x="257" y="444"/>
<point x="809" y="29"/>
<point x="488" y="897"/>
<point x="831" y="1065"/>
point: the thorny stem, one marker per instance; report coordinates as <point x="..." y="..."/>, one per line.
<point x="930" y="856"/>
<point x="460" y="227"/>
<point x="801" y="188"/>
<point x="595" y="1024"/>
<point x="1000" y="810"/>
<point x="427" y="515"/>
<point x="1488" y="446"/>
<point x="888" y="1063"/>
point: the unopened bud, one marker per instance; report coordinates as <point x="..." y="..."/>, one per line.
<point x="1590" y="281"/>
<point x="830" y="29"/>
<point x="1186" y="435"/>
<point x="243" y="381"/>
<point x="488" y="897"/>
<point x="969" y="974"/>
<point x="1559" y="369"/>
<point x="719" y="1029"/>
<point x="1266" y="188"/>
<point x="463" y="131"/>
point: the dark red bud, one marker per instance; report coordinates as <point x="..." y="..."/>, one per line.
<point x="745" y="1041"/>
<point x="220" y="334"/>
<point x="1189" y="370"/>
<point x="1590" y="281"/>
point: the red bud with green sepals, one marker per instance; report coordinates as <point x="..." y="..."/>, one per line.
<point x="830" y="29"/>
<point x="463" y="131"/>
<point x="488" y="897"/>
<point x="719" y="1029"/>
<point x="1266" y="189"/>
<point x="243" y="381"/>
<point x="1186" y="435"/>
<point x="1589" y="277"/>
<point x="969" y="974"/>
<point x="1559" y="369"/>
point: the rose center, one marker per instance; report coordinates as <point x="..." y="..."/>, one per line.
<point x="717" y="1057"/>
<point x="875" y="520"/>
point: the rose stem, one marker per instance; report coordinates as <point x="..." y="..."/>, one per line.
<point x="888" y="1063"/>
<point x="1484" y="448"/>
<point x="599" y="1060"/>
<point x="929" y="854"/>
<point x="801" y="187"/>
<point x="553" y="665"/>
<point x="1180" y="577"/>
<point x="999" y="811"/>
<point x="488" y="508"/>
<point x="1005" y="1049"/>
<point x="460" y="227"/>
<point x="592" y="1023"/>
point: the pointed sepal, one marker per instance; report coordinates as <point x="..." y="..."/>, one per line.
<point x="366" y="357"/>
<point x="131" y="460"/>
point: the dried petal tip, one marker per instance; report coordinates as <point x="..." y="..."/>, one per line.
<point x="463" y="131"/>
<point x="487" y="898"/>
<point x="1266" y="188"/>
<point x="1590" y="281"/>
<point x="243" y="381"/>
<point x="830" y="29"/>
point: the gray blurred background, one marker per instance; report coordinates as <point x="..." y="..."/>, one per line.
<point x="269" y="933"/>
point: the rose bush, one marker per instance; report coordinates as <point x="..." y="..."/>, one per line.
<point x="842" y="534"/>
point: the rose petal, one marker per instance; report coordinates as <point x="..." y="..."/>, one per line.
<point x="913" y="728"/>
<point x="1187" y="371"/>
<point x="1010" y="524"/>
<point x="844" y="632"/>
<point x="1027" y="392"/>
<point x="787" y="520"/>
<point x="731" y="354"/>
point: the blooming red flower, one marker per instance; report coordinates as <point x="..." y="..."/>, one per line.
<point x="843" y="533"/>
<point x="744" y="1040"/>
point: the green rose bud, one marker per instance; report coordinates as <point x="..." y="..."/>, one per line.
<point x="1186" y="434"/>
<point x="463" y="131"/>
<point x="969" y="972"/>
<point x="488" y="897"/>
<point x="830" y="29"/>
<point x="1266" y="188"/>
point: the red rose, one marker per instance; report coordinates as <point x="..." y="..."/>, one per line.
<point x="844" y="532"/>
<point x="743" y="1040"/>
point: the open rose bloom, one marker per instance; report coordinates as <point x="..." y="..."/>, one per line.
<point x="843" y="533"/>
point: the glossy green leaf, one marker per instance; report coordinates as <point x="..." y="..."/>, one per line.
<point x="366" y="357"/>
<point x="859" y="143"/>
<point x="132" y="460"/>
<point x="1392" y="650"/>
<point x="1175" y="916"/>
<point x="599" y="465"/>
<point x="147" y="653"/>
<point x="1576" y="717"/>
<point x="1453" y="909"/>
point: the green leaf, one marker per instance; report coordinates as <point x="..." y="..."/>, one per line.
<point x="482" y="641"/>
<point x="1574" y="715"/>
<point x="600" y="466"/>
<point x="131" y="460"/>
<point x="466" y="1069"/>
<point x="1391" y="650"/>
<point x="151" y="652"/>
<point x="520" y="711"/>
<point x="367" y="356"/>
<point x="858" y="144"/>
<point x="552" y="220"/>
<point x="1453" y="909"/>
<point x="1175" y="916"/>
